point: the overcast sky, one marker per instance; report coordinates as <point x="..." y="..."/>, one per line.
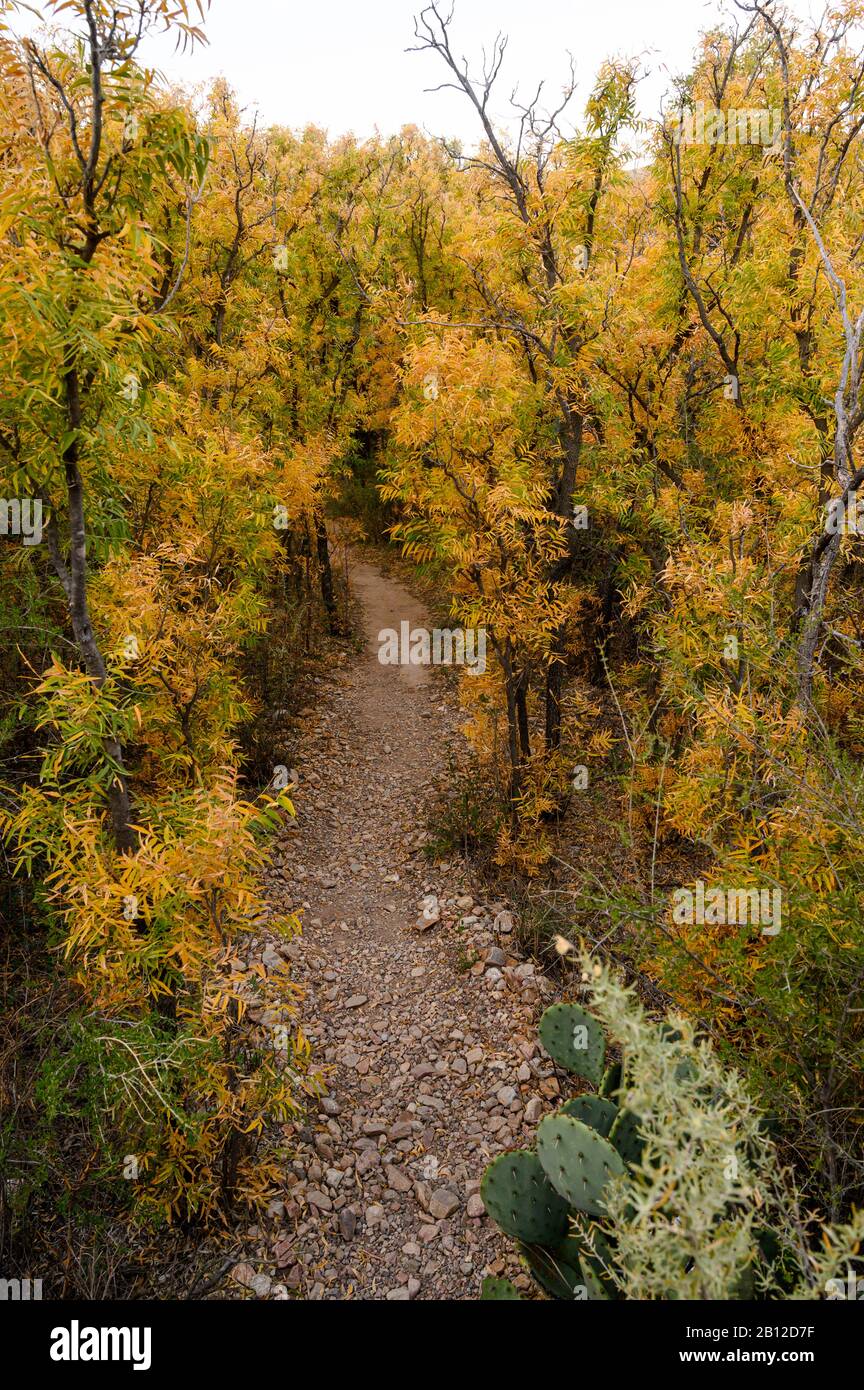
<point x="342" y="65"/>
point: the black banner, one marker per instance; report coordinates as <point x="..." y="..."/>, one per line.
<point x="59" y="1340"/>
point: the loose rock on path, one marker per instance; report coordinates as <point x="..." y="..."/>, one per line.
<point x="420" y="1012"/>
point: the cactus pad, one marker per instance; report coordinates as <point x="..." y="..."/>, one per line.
<point x="521" y="1200"/>
<point x="611" y="1080"/>
<point x="577" y="1161"/>
<point x="597" y="1260"/>
<point x="594" y="1111"/>
<point x="499" y="1291"/>
<point x="574" y="1040"/>
<point x="558" y="1269"/>
<point x="625" y="1137"/>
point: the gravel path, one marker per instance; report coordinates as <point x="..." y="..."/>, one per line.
<point x="422" y="1019"/>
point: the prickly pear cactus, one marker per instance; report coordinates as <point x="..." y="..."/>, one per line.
<point x="598" y="1288"/>
<point x="558" y="1270"/>
<point x="499" y="1291"/>
<point x="597" y="1259"/>
<point x="521" y="1200"/>
<point x="549" y="1201"/>
<point x="577" y="1161"/>
<point x="611" y="1080"/>
<point x="625" y="1137"/>
<point x="574" y="1040"/>
<point x="593" y="1111"/>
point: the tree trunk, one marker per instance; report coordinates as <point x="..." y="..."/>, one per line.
<point x="554" y="688"/>
<point x="521" y="697"/>
<point x="511" y="683"/>
<point x="325" y="571"/>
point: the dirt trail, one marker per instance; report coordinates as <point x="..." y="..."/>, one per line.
<point x="428" y="1035"/>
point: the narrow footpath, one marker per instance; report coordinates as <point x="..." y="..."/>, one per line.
<point x="421" y="1018"/>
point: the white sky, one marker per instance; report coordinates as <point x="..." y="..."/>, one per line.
<point x="342" y="65"/>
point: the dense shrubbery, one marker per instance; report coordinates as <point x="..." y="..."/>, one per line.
<point x="607" y="395"/>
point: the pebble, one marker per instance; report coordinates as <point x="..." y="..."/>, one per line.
<point x="443" y="1203"/>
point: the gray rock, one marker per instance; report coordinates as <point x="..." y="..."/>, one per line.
<point x="397" y="1179"/>
<point x="443" y="1203"/>
<point x="374" y="1127"/>
<point x="367" y="1160"/>
<point x="347" y="1223"/>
